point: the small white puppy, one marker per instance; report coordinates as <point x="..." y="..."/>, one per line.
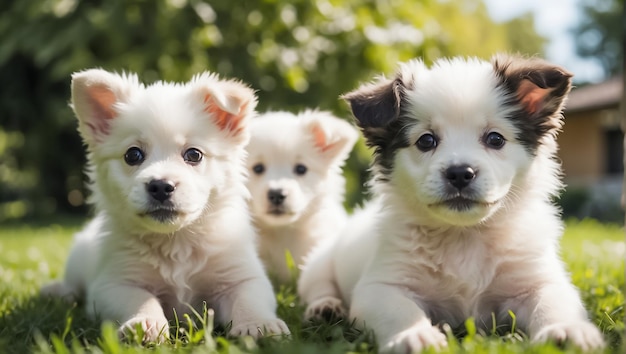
<point x="296" y="182"/>
<point x="463" y="224"/>
<point x="166" y="165"/>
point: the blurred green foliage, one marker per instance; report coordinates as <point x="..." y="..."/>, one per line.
<point x="601" y="34"/>
<point x="296" y="54"/>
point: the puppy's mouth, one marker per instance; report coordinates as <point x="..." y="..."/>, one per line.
<point x="460" y="203"/>
<point x="278" y="211"/>
<point x="162" y="215"/>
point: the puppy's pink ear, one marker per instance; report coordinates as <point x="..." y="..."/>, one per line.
<point x="229" y="103"/>
<point x="543" y="90"/>
<point x="95" y="94"/>
<point x="531" y="96"/>
<point x="539" y="88"/>
<point x="333" y="137"/>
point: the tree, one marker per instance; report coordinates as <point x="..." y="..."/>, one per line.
<point x="600" y="34"/>
<point x="296" y="54"/>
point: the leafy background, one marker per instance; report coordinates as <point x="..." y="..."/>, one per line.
<point x="296" y="54"/>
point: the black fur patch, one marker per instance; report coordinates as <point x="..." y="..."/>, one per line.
<point x="378" y="109"/>
<point x="534" y="126"/>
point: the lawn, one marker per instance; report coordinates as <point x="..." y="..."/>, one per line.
<point x="32" y="255"/>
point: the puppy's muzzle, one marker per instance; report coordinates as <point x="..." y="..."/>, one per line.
<point x="160" y="190"/>
<point x="459" y="176"/>
<point x="276" y="197"/>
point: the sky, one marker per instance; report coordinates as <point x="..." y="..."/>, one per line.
<point x="553" y="19"/>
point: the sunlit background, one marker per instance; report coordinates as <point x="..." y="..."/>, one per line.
<point x="560" y="22"/>
<point x="296" y="54"/>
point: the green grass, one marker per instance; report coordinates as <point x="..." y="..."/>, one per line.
<point x="32" y="255"/>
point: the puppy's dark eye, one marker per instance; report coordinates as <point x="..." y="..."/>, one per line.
<point x="494" y="140"/>
<point x="426" y="142"/>
<point x="300" y="169"/>
<point x="134" y="156"/>
<point x="192" y="156"/>
<point x="258" y="168"/>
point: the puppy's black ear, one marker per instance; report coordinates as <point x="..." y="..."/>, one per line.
<point x="378" y="109"/>
<point x="537" y="87"/>
<point x="376" y="106"/>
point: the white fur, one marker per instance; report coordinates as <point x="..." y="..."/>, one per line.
<point x="312" y="210"/>
<point x="407" y="262"/>
<point x="136" y="269"/>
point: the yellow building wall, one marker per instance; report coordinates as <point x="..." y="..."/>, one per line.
<point x="581" y="148"/>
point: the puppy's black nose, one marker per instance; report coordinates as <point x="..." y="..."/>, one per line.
<point x="276" y="196"/>
<point x="460" y="176"/>
<point x="160" y="189"/>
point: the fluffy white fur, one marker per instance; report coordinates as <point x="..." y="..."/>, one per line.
<point x="297" y="187"/>
<point x="172" y="228"/>
<point x="424" y="253"/>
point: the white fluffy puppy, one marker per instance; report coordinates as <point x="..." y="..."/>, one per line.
<point x="463" y="224"/>
<point x="296" y="183"/>
<point x="172" y="230"/>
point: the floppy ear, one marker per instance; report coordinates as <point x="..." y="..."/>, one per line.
<point x="333" y="137"/>
<point x="95" y="94"/>
<point x="377" y="109"/>
<point x="376" y="105"/>
<point x="229" y="103"/>
<point x="539" y="88"/>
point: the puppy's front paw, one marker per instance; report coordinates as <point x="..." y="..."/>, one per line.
<point x="260" y="329"/>
<point x="326" y="308"/>
<point x="61" y="290"/>
<point x="583" y="334"/>
<point x="415" y="339"/>
<point x="155" y="330"/>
